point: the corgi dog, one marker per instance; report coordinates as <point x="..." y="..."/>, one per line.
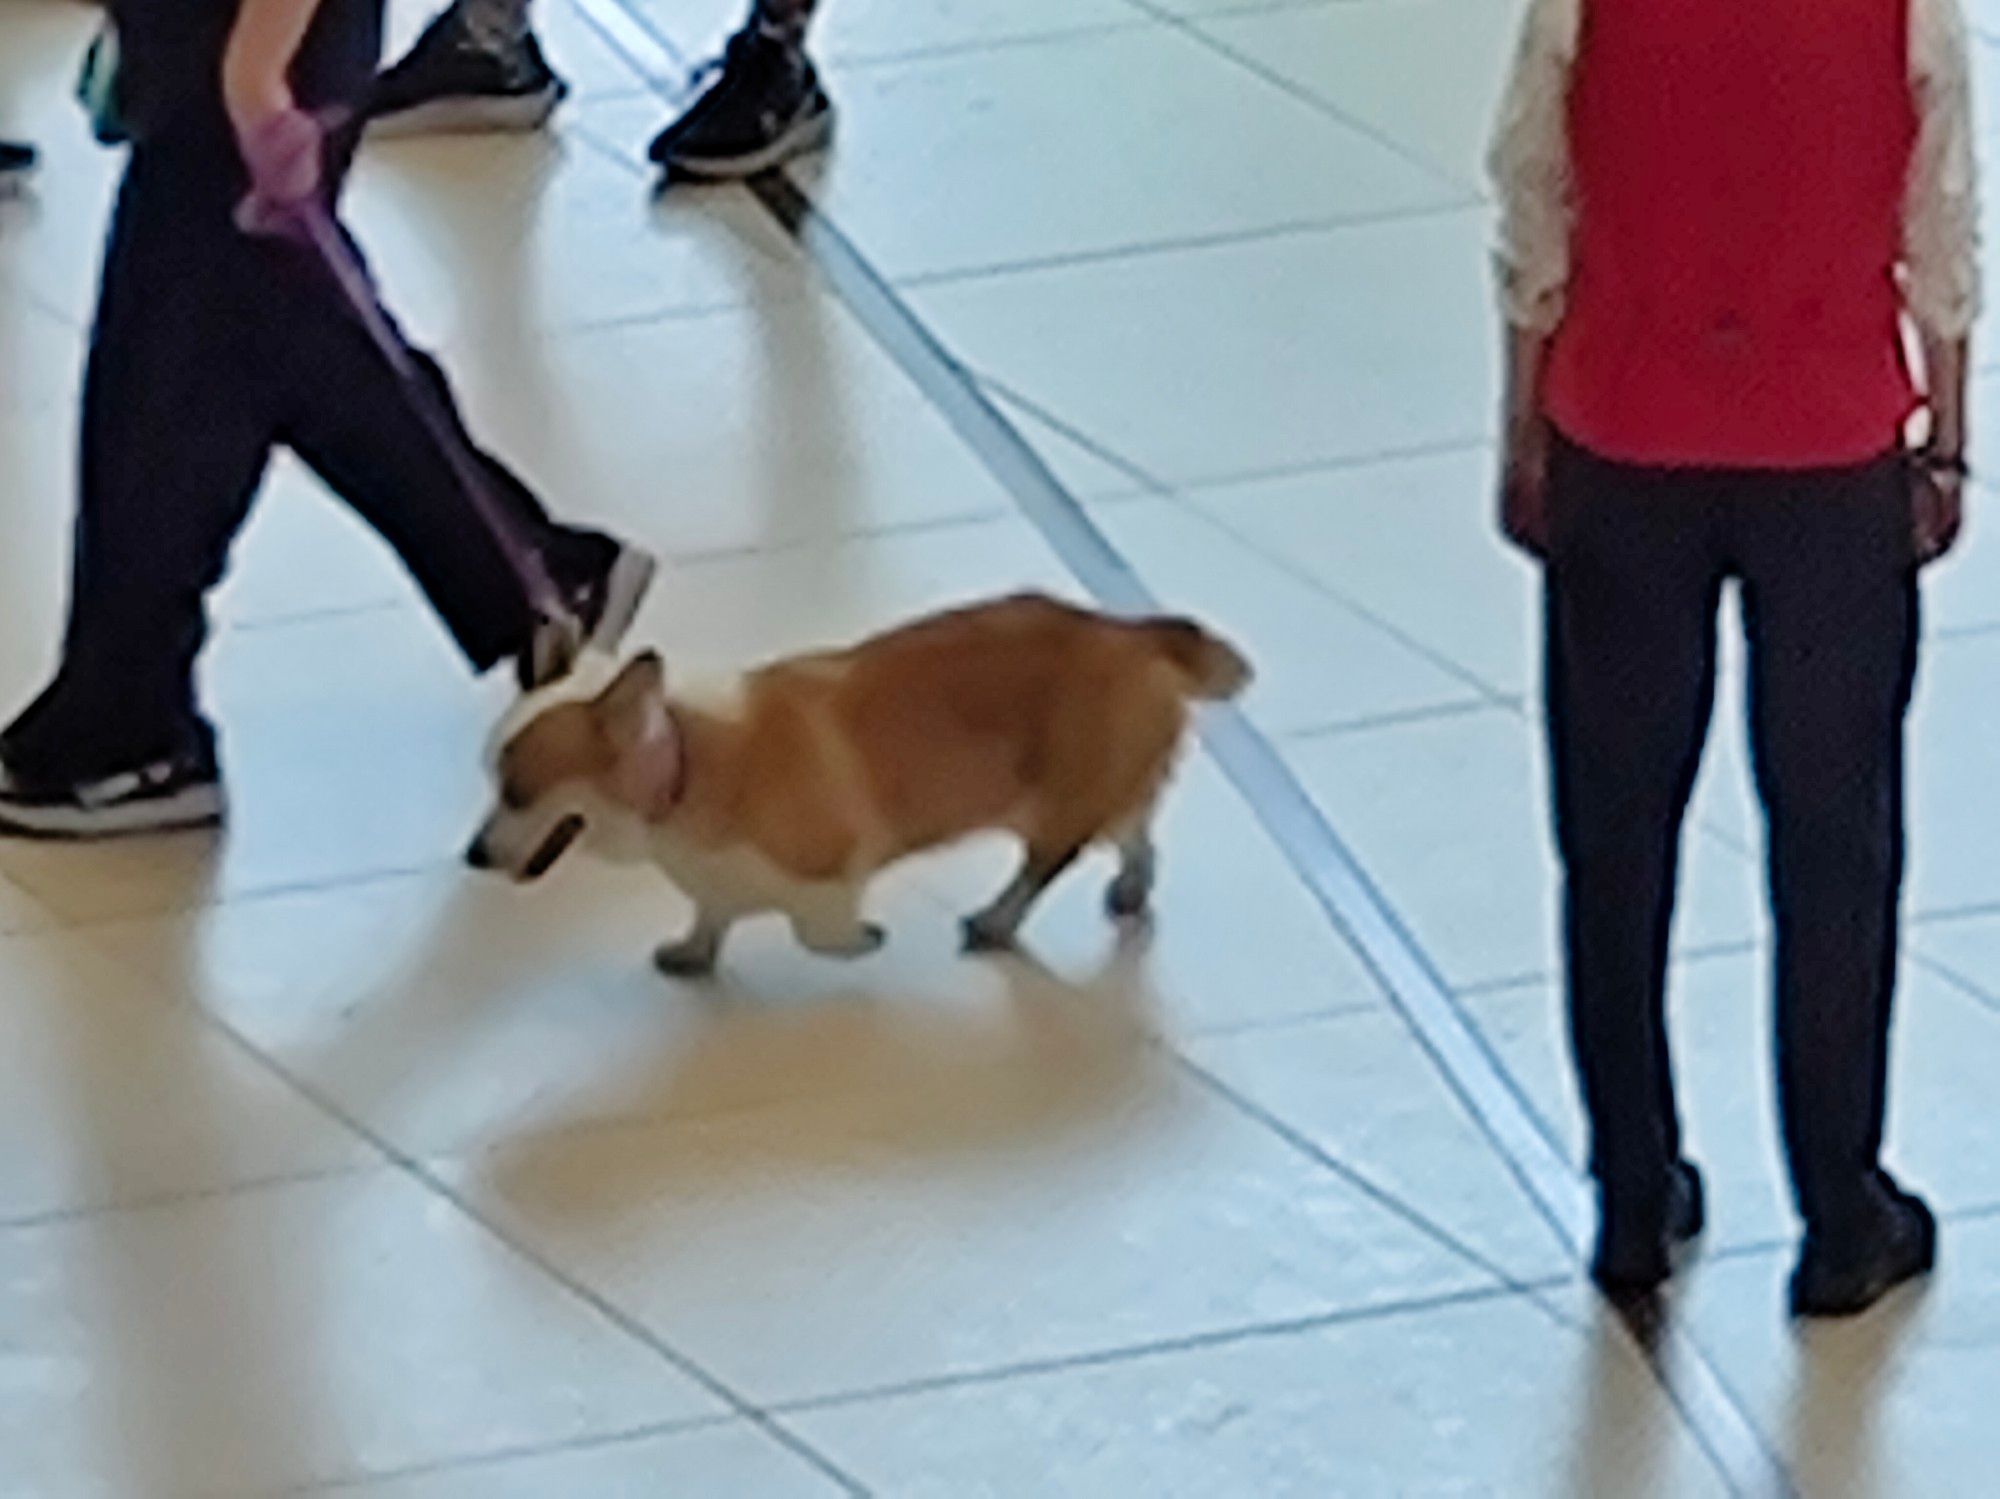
<point x="789" y="790"/>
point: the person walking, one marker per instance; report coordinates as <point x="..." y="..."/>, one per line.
<point x="212" y="346"/>
<point x="1715" y="220"/>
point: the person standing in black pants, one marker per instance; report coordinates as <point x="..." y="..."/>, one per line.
<point x="212" y="347"/>
<point x="1715" y="220"/>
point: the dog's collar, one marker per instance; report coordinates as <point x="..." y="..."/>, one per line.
<point x="679" y="791"/>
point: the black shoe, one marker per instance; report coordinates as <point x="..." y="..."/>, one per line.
<point x="1844" y="1278"/>
<point x="450" y="83"/>
<point x="17" y="160"/>
<point x="603" y="590"/>
<point x="1638" y="1246"/>
<point x="763" y="107"/>
<point x="169" y="795"/>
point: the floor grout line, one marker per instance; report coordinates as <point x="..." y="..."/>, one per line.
<point x="234" y="899"/>
<point x="1406" y="718"/>
<point x="1479" y="989"/>
<point x="1200" y="1035"/>
<point x="1181" y="244"/>
<point x="169" y="1200"/>
<point x="1486" y="693"/>
<point x="519" y="1453"/>
<point x="1491" y="694"/>
<point x="1327" y="1160"/>
<point x="1347" y="895"/>
<point x="833" y="59"/>
<point x="1201" y="489"/>
<point x="1148" y="483"/>
<point x="644" y="47"/>
<point x="422" y="1174"/>
<point x="1191" y="28"/>
<point x="1952" y="978"/>
<point x="1165" y="1347"/>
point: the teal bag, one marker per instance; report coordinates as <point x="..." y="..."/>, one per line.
<point x="97" y="88"/>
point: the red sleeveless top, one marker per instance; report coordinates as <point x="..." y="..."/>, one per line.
<point x="1740" y="171"/>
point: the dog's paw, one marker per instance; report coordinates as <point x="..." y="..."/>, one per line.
<point x="1128" y="900"/>
<point x="692" y="959"/>
<point x="982" y="934"/>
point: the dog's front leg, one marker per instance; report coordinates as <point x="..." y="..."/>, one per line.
<point x="828" y="922"/>
<point x="695" y="955"/>
<point x="995" y="928"/>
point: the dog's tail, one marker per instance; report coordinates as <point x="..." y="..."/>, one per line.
<point x="1214" y="669"/>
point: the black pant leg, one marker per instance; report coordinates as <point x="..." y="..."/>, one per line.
<point x="1632" y="591"/>
<point x="1830" y="603"/>
<point x="350" y="419"/>
<point x="177" y="424"/>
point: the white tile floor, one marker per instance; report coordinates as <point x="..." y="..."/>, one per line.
<point x="326" y="1167"/>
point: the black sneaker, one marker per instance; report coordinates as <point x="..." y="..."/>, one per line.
<point x="452" y="83"/>
<point x="171" y="795"/>
<point x="763" y="106"/>
<point x="604" y="599"/>
<point x="1844" y="1279"/>
<point x="17" y="160"/>
<point x="1637" y="1248"/>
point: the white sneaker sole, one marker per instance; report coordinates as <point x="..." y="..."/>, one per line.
<point x="625" y="591"/>
<point x="471" y="114"/>
<point x="185" y="811"/>
<point x="802" y="139"/>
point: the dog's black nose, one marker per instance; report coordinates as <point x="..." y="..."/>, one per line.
<point x="478" y="856"/>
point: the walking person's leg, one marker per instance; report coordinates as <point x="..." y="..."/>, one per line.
<point x="177" y="427"/>
<point x="211" y="346"/>
<point x="478" y="66"/>
<point x="347" y="411"/>
<point x="1830" y="604"/>
<point x="1633" y="587"/>
<point x="374" y="450"/>
<point x="763" y="105"/>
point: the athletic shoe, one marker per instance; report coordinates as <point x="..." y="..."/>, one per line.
<point x="165" y="796"/>
<point x="603" y="600"/>
<point x="450" y="83"/>
<point x="763" y="107"/>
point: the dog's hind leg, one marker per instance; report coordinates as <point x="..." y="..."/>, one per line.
<point x="995" y="928"/>
<point x="695" y="955"/>
<point x="1131" y="891"/>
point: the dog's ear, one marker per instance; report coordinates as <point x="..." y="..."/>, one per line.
<point x="646" y="773"/>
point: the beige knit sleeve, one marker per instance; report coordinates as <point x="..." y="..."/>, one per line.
<point x="1941" y="277"/>
<point x="1529" y="164"/>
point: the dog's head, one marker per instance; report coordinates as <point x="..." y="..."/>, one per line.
<point x="572" y="755"/>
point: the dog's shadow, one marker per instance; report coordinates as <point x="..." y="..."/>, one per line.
<point x="1005" y="1058"/>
